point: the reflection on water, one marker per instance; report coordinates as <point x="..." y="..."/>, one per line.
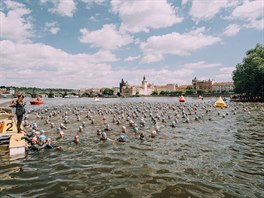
<point x="218" y="158"/>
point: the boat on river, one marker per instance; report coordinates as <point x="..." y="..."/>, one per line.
<point x="97" y="100"/>
<point x="9" y="138"/>
<point x="181" y="99"/>
<point x="71" y="96"/>
<point x="37" y="101"/>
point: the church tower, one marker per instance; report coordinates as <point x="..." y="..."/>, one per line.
<point x="194" y="83"/>
<point x="145" y="85"/>
<point x="121" y="85"/>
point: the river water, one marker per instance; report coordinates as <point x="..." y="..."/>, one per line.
<point x="211" y="157"/>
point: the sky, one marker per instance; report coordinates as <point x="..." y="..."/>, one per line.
<point x="95" y="43"/>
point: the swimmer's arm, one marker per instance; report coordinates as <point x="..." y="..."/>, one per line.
<point x="27" y="139"/>
<point x="13" y="103"/>
<point x="96" y="141"/>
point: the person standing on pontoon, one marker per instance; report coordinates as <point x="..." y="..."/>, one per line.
<point x="20" y="110"/>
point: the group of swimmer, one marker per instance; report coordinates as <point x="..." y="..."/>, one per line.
<point x="126" y="122"/>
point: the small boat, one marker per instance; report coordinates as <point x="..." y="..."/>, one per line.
<point x="97" y="100"/>
<point x="181" y="99"/>
<point x="71" y="96"/>
<point x="9" y="138"/>
<point x="37" y="101"/>
<point x="220" y="103"/>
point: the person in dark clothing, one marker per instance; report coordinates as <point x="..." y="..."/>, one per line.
<point x="20" y="110"/>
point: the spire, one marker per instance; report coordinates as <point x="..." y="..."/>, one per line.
<point x="144" y="77"/>
<point x="122" y="81"/>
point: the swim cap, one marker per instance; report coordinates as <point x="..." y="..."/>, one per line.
<point x="153" y="133"/>
<point x="42" y="131"/>
<point x="103" y="133"/>
<point x="33" y="131"/>
<point x="58" y="128"/>
<point x="142" y="135"/>
<point x="42" y="137"/>
<point x="121" y="138"/>
<point x="48" y="138"/>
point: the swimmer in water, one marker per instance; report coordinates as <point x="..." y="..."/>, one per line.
<point x="104" y="137"/>
<point x="123" y="129"/>
<point x="76" y="140"/>
<point x="153" y="134"/>
<point x="142" y="137"/>
<point x="121" y="139"/>
<point x="99" y="132"/>
<point x="62" y="126"/>
<point x="61" y="135"/>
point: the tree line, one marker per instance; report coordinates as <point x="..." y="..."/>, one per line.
<point x="249" y="75"/>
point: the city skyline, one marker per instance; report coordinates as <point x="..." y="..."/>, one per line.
<point x="96" y="43"/>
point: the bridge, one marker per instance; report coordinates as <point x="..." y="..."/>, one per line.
<point x="51" y="93"/>
<point x="33" y="92"/>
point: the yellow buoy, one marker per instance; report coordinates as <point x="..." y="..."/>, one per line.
<point x="220" y="103"/>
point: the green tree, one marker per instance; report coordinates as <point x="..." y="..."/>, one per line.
<point x="154" y="93"/>
<point x="200" y="92"/>
<point x="108" y="91"/>
<point x="162" y="93"/>
<point x="249" y="75"/>
<point x="190" y="90"/>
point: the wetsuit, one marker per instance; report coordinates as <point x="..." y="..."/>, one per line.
<point x="20" y="111"/>
<point x="37" y="147"/>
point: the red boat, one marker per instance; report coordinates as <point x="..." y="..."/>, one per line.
<point x="181" y="99"/>
<point x="37" y="101"/>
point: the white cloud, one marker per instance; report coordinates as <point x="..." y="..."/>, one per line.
<point x="249" y="10"/>
<point x="184" y="2"/>
<point x="45" y="66"/>
<point x="201" y="65"/>
<point x="207" y="9"/>
<point x="62" y="7"/>
<point x="52" y="27"/>
<point x="256" y="24"/>
<point x="138" y="16"/>
<point x="51" y="67"/>
<point x="232" y="30"/>
<point x="131" y="58"/>
<point x="16" y="25"/>
<point x="107" y="38"/>
<point x="252" y="12"/>
<point x="100" y="2"/>
<point x="225" y="73"/>
<point x="174" y="43"/>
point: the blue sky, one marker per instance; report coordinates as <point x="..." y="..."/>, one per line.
<point x="95" y="43"/>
